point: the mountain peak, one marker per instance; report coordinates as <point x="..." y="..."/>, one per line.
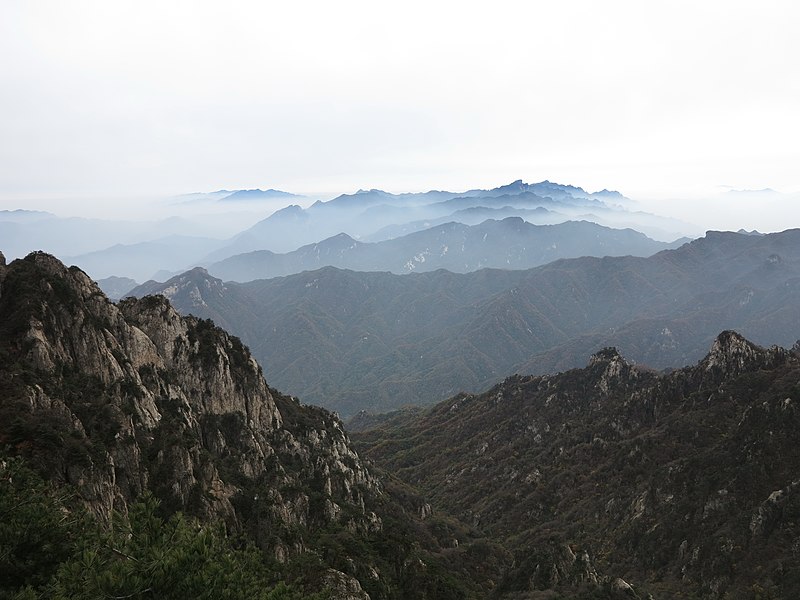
<point x="46" y="261"/>
<point x="256" y="194"/>
<point x="292" y="210"/>
<point x="199" y="271"/>
<point x="731" y="352"/>
<point x="342" y="236"/>
<point x="610" y="194"/>
<point x="613" y="367"/>
<point x="606" y="355"/>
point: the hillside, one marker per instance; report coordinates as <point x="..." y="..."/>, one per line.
<point x="684" y="485"/>
<point x="130" y="413"/>
<point x="611" y="481"/>
<point x="378" y="341"/>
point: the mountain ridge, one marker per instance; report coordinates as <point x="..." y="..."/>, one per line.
<point x="508" y="243"/>
<point x="684" y="484"/>
<point x="380" y="341"/>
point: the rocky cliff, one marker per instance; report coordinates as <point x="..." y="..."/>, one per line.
<point x="116" y="400"/>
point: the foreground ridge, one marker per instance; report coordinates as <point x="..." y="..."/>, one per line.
<point x="118" y="403"/>
<point x="682" y="484"/>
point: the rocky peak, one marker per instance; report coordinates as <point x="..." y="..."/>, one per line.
<point x="116" y="400"/>
<point x="605" y="356"/>
<point x="193" y="287"/>
<point x="612" y="367"/>
<point x="731" y="353"/>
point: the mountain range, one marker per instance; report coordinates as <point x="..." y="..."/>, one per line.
<point x="208" y="228"/>
<point x="377" y="215"/>
<point x="143" y="454"/>
<point x="508" y="244"/>
<point x="352" y="341"/>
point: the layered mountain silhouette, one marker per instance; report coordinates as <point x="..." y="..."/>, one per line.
<point x="217" y="225"/>
<point x="354" y="341"/>
<point x="508" y="244"/>
<point x="376" y="215"/>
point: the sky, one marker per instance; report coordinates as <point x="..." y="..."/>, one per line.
<point x="108" y="100"/>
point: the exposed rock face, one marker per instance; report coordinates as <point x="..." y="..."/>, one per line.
<point x="731" y="354"/>
<point x="116" y="400"/>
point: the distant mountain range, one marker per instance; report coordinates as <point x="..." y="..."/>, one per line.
<point x="508" y="244"/>
<point x="209" y="230"/>
<point x="116" y="288"/>
<point x="24" y="216"/>
<point x="256" y="195"/>
<point x="376" y="215"/>
<point x="229" y="196"/>
<point x="354" y="341"/>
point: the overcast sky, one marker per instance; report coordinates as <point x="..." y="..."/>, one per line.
<point x="656" y="99"/>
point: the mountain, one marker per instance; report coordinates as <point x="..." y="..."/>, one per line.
<point x="22" y="216"/>
<point x="131" y="414"/>
<point x="508" y="244"/>
<point x="469" y="216"/>
<point x="143" y="454"/>
<point x="256" y="195"/>
<point x="678" y="485"/>
<point x="136" y="261"/>
<point x="116" y="288"/>
<point x="376" y="215"/>
<point x="353" y="341"/>
<point x="283" y="229"/>
<point x="229" y="196"/>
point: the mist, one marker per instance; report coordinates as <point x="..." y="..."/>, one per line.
<point x="765" y="211"/>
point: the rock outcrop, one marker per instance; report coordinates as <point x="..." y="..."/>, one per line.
<point x="112" y="401"/>
<point x="115" y="400"/>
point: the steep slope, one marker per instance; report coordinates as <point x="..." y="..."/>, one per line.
<point x="379" y="341"/>
<point x="508" y="244"/>
<point x="113" y="401"/>
<point x="684" y="483"/>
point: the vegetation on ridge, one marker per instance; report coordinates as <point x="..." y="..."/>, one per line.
<point x="684" y="484"/>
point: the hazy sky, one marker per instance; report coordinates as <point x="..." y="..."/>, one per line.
<point x="657" y="99"/>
